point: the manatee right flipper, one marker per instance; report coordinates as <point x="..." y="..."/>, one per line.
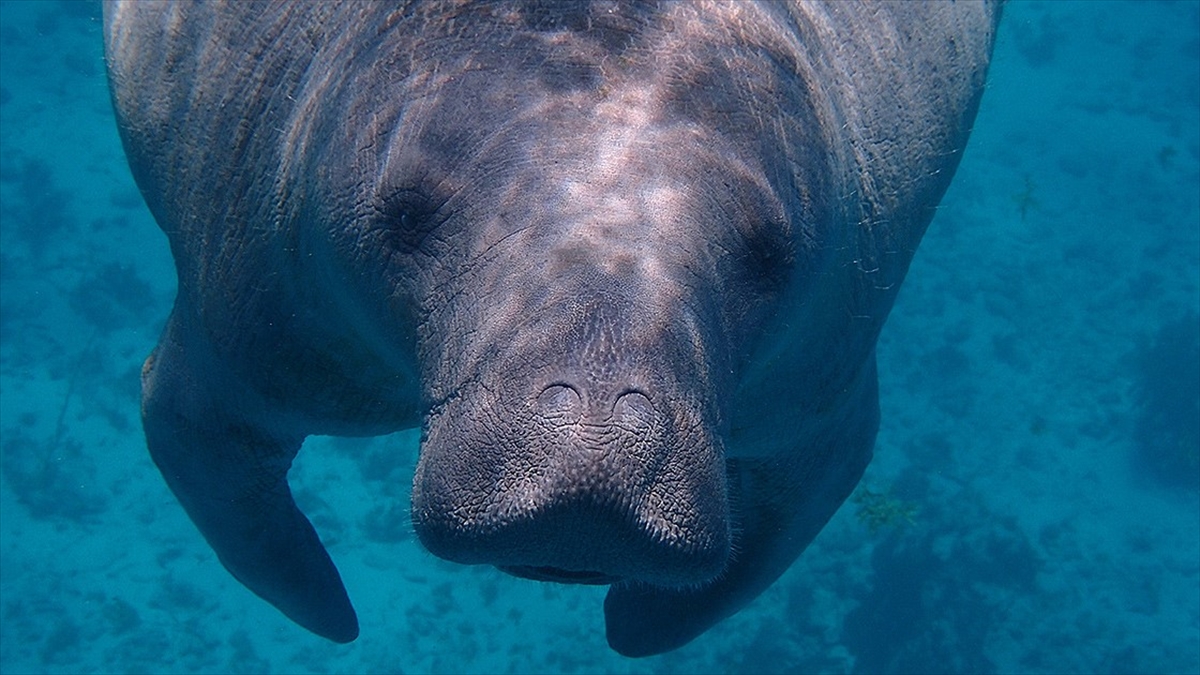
<point x="230" y="474"/>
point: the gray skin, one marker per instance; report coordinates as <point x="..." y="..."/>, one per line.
<point x="625" y="265"/>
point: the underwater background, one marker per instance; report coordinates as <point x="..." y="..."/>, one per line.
<point x="1034" y="503"/>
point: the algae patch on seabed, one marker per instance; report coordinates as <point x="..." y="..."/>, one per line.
<point x="878" y="510"/>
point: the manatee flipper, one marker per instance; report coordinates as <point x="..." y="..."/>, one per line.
<point x="782" y="504"/>
<point x="230" y="474"/>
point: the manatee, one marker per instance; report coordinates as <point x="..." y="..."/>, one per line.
<point x="624" y="264"/>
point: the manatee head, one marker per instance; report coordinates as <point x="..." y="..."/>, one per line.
<point x="588" y="251"/>
<point x="577" y="365"/>
<point x="580" y="348"/>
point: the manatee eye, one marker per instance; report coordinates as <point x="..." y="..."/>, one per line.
<point x="768" y="250"/>
<point x="772" y="255"/>
<point x="407" y="219"/>
<point x="763" y="243"/>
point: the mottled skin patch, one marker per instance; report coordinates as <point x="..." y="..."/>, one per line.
<point x="625" y="263"/>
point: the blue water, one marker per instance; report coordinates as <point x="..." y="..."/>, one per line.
<point x="1033" y="505"/>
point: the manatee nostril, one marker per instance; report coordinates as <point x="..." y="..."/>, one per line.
<point x="633" y="407"/>
<point x="560" y="403"/>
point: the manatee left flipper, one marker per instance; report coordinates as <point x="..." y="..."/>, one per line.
<point x="230" y="474"/>
<point x="782" y="503"/>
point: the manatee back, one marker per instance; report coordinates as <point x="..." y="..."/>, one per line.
<point x="207" y="98"/>
<point x="202" y="119"/>
<point x="907" y="103"/>
<point x="900" y="83"/>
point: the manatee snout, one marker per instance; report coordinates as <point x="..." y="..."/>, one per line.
<point x="603" y="465"/>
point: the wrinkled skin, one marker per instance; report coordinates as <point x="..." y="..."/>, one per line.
<point x="625" y="264"/>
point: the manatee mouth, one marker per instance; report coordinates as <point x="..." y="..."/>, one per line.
<point x="560" y="575"/>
